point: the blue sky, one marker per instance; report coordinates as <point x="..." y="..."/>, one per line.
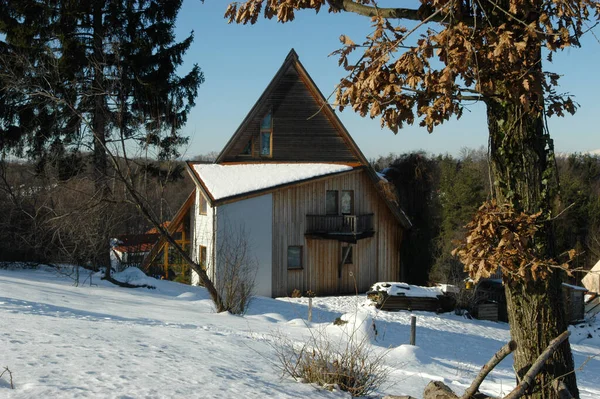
<point x="239" y="61"/>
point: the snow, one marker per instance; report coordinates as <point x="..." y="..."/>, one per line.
<point x="224" y="181"/>
<point x="102" y="341"/>
<point x="575" y="287"/>
<point x="403" y="289"/>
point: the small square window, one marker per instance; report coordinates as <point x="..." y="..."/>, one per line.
<point x="203" y="205"/>
<point x="294" y="257"/>
<point x="202" y="257"/>
<point x="347" y="255"/>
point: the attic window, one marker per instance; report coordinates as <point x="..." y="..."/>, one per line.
<point x="248" y="148"/>
<point x="266" y="136"/>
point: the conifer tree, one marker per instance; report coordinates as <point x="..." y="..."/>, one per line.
<point x="87" y="74"/>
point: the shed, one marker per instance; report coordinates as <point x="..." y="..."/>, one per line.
<point x="574" y="302"/>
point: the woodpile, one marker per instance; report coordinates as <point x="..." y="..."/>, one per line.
<point x="439" y="304"/>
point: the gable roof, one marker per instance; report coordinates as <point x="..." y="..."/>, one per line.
<point x="323" y="109"/>
<point x="222" y="182"/>
<point x="257" y="112"/>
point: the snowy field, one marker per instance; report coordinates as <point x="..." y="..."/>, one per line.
<point x="62" y="341"/>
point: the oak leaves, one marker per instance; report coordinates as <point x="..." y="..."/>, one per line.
<point x="458" y="51"/>
<point x="500" y="238"/>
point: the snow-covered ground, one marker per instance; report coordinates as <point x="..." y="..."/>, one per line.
<point x="62" y="341"/>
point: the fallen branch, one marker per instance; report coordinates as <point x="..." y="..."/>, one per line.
<point x="489" y="366"/>
<point x="536" y="367"/>
<point x="127" y="285"/>
<point x="6" y="370"/>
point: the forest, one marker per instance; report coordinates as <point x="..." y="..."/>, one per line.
<point x="50" y="212"/>
<point x="440" y="194"/>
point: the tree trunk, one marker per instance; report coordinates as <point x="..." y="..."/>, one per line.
<point x="100" y="159"/>
<point x="523" y="171"/>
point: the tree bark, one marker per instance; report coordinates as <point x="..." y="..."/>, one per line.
<point x="522" y="168"/>
<point x="100" y="159"/>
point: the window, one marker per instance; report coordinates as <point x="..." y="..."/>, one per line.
<point x="347" y="255"/>
<point x="203" y="205"/>
<point x="248" y="148"/>
<point x="347" y="202"/>
<point x="266" y="136"/>
<point x="202" y="257"/>
<point x="331" y="202"/>
<point x="294" y="257"/>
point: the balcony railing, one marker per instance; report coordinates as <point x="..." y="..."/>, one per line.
<point x="339" y="224"/>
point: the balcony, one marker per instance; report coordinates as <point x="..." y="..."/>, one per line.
<point x="347" y="228"/>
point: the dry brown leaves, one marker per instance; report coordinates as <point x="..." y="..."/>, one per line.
<point x="501" y="238"/>
<point x="479" y="51"/>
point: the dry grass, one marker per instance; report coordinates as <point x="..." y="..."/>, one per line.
<point x="348" y="364"/>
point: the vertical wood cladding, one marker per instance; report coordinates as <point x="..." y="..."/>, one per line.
<point x="374" y="259"/>
<point x="300" y="131"/>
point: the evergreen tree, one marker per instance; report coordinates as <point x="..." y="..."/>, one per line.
<point x="577" y="227"/>
<point x="415" y="177"/>
<point x="461" y="190"/>
<point x="86" y="74"/>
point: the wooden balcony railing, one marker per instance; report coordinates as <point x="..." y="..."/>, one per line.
<point x="339" y="224"/>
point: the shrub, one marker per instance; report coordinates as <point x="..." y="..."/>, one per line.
<point x="236" y="270"/>
<point x="348" y="364"/>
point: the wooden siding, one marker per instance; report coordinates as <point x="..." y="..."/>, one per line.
<point x="374" y="259"/>
<point x="300" y="131"/>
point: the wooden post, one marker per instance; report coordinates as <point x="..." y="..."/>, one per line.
<point x="309" y="309"/>
<point x="413" y="329"/>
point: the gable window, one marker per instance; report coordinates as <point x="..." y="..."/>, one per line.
<point x="294" y="257"/>
<point x="347" y="255"/>
<point x="266" y="136"/>
<point x="248" y="148"/>
<point x="331" y="202"/>
<point x="203" y="205"/>
<point x="347" y="202"/>
<point x="202" y="257"/>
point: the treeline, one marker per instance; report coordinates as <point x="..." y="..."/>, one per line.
<point x="51" y="211"/>
<point x="440" y="194"/>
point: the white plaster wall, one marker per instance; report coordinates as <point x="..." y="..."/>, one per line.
<point x="253" y="216"/>
<point x="202" y="234"/>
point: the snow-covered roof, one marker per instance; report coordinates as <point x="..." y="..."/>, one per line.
<point x="223" y="181"/>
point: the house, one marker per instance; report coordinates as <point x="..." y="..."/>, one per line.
<point x="291" y="179"/>
<point x="131" y="249"/>
<point x="163" y="260"/>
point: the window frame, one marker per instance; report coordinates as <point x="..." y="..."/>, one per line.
<point x="202" y="256"/>
<point x="301" y="260"/>
<point x="337" y="203"/>
<point x="265" y="130"/>
<point x="202" y="204"/>
<point x="250" y="144"/>
<point x="351" y="202"/>
<point x="350" y="259"/>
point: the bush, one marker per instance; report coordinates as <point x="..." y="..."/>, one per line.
<point x="236" y="270"/>
<point x="348" y="364"/>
